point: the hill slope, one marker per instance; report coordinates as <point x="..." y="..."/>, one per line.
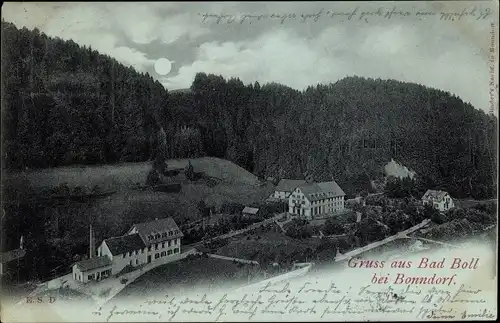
<point x="123" y="176"/>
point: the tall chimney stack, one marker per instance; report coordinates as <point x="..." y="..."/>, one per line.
<point x="91" y="247"/>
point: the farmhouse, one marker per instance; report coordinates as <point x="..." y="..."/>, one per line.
<point x="440" y="200"/>
<point x="144" y="243"/>
<point x="316" y="200"/>
<point x="285" y="187"/>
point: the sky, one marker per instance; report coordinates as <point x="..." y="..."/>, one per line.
<point x="298" y="51"/>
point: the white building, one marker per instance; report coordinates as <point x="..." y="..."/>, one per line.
<point x="144" y="243"/>
<point x="285" y="187"/>
<point x="92" y="269"/>
<point x="440" y="200"/>
<point x="316" y="200"/>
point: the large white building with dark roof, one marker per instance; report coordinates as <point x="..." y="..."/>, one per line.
<point x="316" y="200"/>
<point x="144" y="243"/>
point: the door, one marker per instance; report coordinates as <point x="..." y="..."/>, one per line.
<point x="149" y="259"/>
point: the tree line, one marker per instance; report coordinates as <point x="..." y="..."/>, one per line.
<point x="67" y="104"/>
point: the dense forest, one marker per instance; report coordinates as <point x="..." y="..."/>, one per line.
<point x="65" y="104"/>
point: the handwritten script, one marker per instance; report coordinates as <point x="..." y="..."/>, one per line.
<point x="352" y="14"/>
<point x="313" y="301"/>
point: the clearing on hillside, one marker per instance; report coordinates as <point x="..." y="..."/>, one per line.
<point x="125" y="175"/>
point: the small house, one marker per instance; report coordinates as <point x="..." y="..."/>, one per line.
<point x="440" y="200"/>
<point x="250" y="211"/>
<point x="92" y="269"/>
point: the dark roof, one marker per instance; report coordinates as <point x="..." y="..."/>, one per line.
<point x="434" y="195"/>
<point x="320" y="191"/>
<point x="123" y="244"/>
<point x="12" y="255"/>
<point x="157" y="227"/>
<point x="93" y="263"/>
<point x="288" y="185"/>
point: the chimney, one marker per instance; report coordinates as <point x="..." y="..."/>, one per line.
<point x="91" y="247"/>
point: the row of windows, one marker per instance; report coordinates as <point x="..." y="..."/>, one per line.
<point x="157" y="236"/>
<point x="165" y="253"/>
<point x="332" y="199"/>
<point x="101" y="275"/>
<point x="159" y="245"/>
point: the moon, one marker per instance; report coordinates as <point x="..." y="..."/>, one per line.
<point x="163" y="66"/>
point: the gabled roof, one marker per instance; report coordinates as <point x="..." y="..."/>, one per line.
<point x="320" y="191"/>
<point x="250" y="210"/>
<point x="288" y="185"/>
<point x="10" y="255"/>
<point x="93" y="263"/>
<point x="434" y="195"/>
<point x="123" y="244"/>
<point x="155" y="227"/>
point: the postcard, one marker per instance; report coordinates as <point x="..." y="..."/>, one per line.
<point x="249" y="161"/>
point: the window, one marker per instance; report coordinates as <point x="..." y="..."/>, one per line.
<point x="130" y="262"/>
<point x="157" y="246"/>
<point x="130" y="253"/>
<point x="163" y="244"/>
<point x="136" y="252"/>
<point x="169" y="242"/>
<point x="90" y="277"/>
<point x="149" y="248"/>
<point x="176" y="250"/>
<point x="169" y="252"/>
<point x="137" y="261"/>
<point x="123" y="256"/>
<point x="163" y="253"/>
<point x="157" y="255"/>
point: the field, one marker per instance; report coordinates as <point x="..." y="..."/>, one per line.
<point x="199" y="273"/>
<point x="124" y="175"/>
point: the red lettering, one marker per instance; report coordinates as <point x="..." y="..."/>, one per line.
<point x="399" y="278"/>
<point x="423" y="263"/>
<point x="380" y="280"/>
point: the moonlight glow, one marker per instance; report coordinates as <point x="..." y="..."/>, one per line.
<point x="163" y="66"/>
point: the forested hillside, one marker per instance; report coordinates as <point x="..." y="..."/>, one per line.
<point x="66" y="104"/>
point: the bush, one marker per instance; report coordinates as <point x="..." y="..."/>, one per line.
<point x="333" y="226"/>
<point x="298" y="232"/>
<point x="153" y="178"/>
<point x="189" y="172"/>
